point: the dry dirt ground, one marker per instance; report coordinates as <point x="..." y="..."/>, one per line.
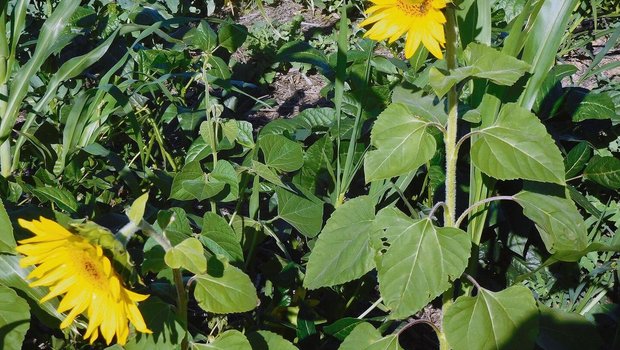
<point x="582" y="61"/>
<point x="293" y="91"/>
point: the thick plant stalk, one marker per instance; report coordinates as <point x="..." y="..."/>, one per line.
<point x="451" y="129"/>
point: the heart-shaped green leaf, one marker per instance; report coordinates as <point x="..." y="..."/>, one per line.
<point x="403" y="143"/>
<point x="506" y="320"/>
<point x="342" y="251"/>
<point x="518" y="146"/>
<point x="420" y="263"/>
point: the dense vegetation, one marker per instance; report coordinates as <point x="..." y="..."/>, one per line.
<point x="272" y="179"/>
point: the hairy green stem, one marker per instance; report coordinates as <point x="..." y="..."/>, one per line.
<point x="451" y="129"/>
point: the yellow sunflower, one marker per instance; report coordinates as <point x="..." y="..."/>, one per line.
<point x="421" y="20"/>
<point x="71" y="265"/>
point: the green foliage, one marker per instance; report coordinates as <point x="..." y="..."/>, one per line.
<point x="394" y="192"/>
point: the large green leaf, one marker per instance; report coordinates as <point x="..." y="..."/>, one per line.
<point x="7" y="240"/>
<point x="561" y="227"/>
<point x="228" y="340"/>
<point x="224" y="289"/>
<point x="516" y="146"/>
<point x="281" y="153"/>
<point x="365" y="337"/>
<point x="342" y="252"/>
<point x="265" y="340"/>
<point x="189" y="255"/>
<point x="403" y="143"/>
<point x="14" y="319"/>
<point x="420" y="263"/>
<point x="304" y="212"/>
<point x="604" y="171"/>
<point x="561" y="330"/>
<point x="220" y="238"/>
<point x="504" y="320"/>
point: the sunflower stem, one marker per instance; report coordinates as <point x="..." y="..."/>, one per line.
<point x="451" y="129"/>
<point x="177" y="275"/>
<point x="181" y="303"/>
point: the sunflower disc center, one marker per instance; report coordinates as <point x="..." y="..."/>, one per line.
<point x="413" y="7"/>
<point x="92" y="271"/>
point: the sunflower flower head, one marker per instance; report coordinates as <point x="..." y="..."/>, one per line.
<point x="421" y="20"/>
<point x="73" y="266"/>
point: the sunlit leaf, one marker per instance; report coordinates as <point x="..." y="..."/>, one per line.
<point x="224" y="289"/>
<point x="342" y="251"/>
<point x="504" y="320"/>
<point x="561" y="227"/>
<point x="403" y="144"/>
<point x="604" y="171"/>
<point x="420" y="262"/>
<point x="518" y="146"/>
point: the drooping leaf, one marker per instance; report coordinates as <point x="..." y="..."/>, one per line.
<point x="604" y="171"/>
<point x="517" y="145"/>
<point x="403" y="144"/>
<point x="342" y="251"/>
<point x="14" y="319"/>
<point x="504" y="320"/>
<point x="224" y="289"/>
<point x="304" y="211"/>
<point x="559" y="223"/>
<point x="420" y="263"/>
<point x="482" y="62"/>
<point x="189" y="255"/>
